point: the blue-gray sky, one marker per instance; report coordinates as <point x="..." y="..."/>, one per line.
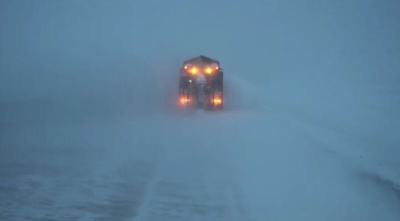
<point x="49" y="47"/>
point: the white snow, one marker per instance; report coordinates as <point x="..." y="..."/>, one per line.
<point x="257" y="160"/>
<point x="90" y="128"/>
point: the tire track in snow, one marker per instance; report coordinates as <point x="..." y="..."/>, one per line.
<point x="193" y="185"/>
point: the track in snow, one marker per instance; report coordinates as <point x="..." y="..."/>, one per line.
<point x="245" y="163"/>
<point x="196" y="181"/>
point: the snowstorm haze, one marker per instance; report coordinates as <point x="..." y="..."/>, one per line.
<point x="59" y="48"/>
<point x="88" y="109"/>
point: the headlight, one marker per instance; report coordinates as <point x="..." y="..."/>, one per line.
<point x="194" y="70"/>
<point x="208" y="70"/>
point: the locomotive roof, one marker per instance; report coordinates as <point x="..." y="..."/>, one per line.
<point x="201" y="59"/>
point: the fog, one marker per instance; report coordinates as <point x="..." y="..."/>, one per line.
<point x="55" y="49"/>
<point x="88" y="94"/>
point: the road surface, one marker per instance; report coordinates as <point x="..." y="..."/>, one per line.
<point x="243" y="163"/>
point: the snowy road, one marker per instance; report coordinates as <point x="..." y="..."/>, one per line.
<point x="249" y="162"/>
<point x="310" y="128"/>
<point x="196" y="181"/>
<point x="235" y="165"/>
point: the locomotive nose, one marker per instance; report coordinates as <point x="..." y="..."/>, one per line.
<point x="201" y="79"/>
<point x="201" y="82"/>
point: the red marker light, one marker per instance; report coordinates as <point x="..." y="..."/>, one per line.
<point x="217" y="101"/>
<point x="184" y="100"/>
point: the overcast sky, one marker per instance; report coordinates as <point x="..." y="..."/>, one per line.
<point x="49" y="47"/>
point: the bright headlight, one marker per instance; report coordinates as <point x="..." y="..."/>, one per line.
<point x="208" y="70"/>
<point x="194" y="70"/>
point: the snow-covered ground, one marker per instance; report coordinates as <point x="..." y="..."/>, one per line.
<point x="253" y="161"/>
<point x="89" y="128"/>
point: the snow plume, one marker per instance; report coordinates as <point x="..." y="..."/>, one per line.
<point x="310" y="129"/>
